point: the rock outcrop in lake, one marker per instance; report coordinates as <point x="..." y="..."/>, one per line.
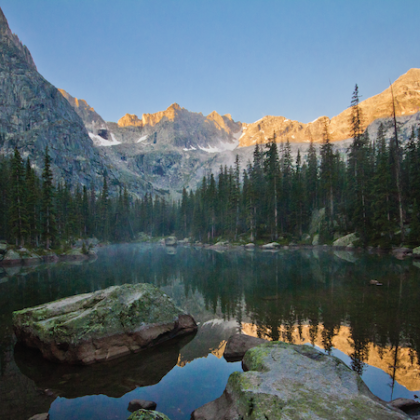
<point x="103" y="325"/>
<point x="286" y="381"/>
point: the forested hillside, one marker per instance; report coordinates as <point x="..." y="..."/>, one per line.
<point x="374" y="191"/>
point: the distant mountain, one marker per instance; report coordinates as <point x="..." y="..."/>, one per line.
<point x="407" y="101"/>
<point x="33" y="115"/>
<point x="169" y="150"/>
<point x="162" y="152"/>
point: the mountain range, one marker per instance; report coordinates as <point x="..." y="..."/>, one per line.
<point x="162" y="152"/>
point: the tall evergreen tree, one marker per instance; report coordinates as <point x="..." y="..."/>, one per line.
<point x="48" y="211"/>
<point x="18" y="211"/>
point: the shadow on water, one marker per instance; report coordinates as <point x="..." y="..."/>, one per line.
<point x="113" y="379"/>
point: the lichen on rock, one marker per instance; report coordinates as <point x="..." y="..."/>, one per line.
<point x="286" y="381"/>
<point x="102" y="325"/>
<point x="147" y="415"/>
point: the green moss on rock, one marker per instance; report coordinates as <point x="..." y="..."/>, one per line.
<point x="147" y="415"/>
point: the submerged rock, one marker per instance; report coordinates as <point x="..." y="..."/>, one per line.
<point x="103" y="325"/>
<point x="286" y="381"/>
<point x="43" y="416"/>
<point x="114" y="378"/>
<point x="147" y="415"/>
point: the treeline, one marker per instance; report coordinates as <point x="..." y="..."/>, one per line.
<point x="35" y="212"/>
<point x="374" y="191"/>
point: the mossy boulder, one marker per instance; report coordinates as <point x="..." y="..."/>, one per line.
<point x="103" y="325"/>
<point x="286" y="381"/>
<point x="147" y="415"/>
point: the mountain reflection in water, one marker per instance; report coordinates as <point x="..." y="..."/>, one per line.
<point x="314" y="296"/>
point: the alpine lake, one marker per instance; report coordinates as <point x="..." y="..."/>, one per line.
<point x="318" y="296"/>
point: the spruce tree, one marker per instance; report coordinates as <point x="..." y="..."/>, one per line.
<point x="18" y="212"/>
<point x="48" y="226"/>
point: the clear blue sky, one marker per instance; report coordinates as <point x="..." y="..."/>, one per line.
<point x="296" y="58"/>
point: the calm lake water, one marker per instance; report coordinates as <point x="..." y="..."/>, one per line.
<point x="317" y="297"/>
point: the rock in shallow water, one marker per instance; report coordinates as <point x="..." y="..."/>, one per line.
<point x="238" y="345"/>
<point x="103" y="325"/>
<point x="286" y="381"/>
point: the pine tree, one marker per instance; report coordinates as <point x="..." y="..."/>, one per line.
<point x="272" y="175"/>
<point x="327" y="176"/>
<point x="48" y="227"/>
<point x="32" y="203"/>
<point x="356" y="170"/>
<point x="18" y="211"/>
<point x="312" y="177"/>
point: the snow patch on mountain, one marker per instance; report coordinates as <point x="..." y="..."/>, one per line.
<point x="142" y="139"/>
<point x="99" y="141"/>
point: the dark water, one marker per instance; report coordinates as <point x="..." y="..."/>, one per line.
<point x="316" y="297"/>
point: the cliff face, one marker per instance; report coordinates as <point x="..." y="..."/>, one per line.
<point x="183" y="128"/>
<point x="33" y="115"/>
<point x="407" y="102"/>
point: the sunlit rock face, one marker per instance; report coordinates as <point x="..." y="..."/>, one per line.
<point x="34" y="115"/>
<point x="406" y="91"/>
<point x="168" y="150"/>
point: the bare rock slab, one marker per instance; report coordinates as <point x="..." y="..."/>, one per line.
<point x="286" y="381"/>
<point x="102" y="325"/>
<point x="238" y="345"/>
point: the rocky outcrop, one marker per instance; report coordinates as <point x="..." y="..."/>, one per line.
<point x="286" y="381"/>
<point x="103" y="325"/>
<point x="407" y="101"/>
<point x="238" y="345"/>
<point x="171" y="241"/>
<point x="130" y="120"/>
<point x="346" y="240"/>
<point x="91" y="119"/>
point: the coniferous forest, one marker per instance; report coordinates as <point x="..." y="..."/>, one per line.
<point x="374" y="190"/>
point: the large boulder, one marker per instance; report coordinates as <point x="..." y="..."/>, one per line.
<point x="102" y="325"/>
<point x="171" y="241"/>
<point x="347" y="240"/>
<point x="286" y="381"/>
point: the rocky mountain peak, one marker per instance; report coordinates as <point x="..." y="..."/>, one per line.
<point x="7" y="37"/>
<point x="130" y="120"/>
<point x="406" y="91"/>
<point x="174" y="106"/>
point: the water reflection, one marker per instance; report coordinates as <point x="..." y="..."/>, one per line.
<point x="113" y="379"/>
<point x="316" y="296"/>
